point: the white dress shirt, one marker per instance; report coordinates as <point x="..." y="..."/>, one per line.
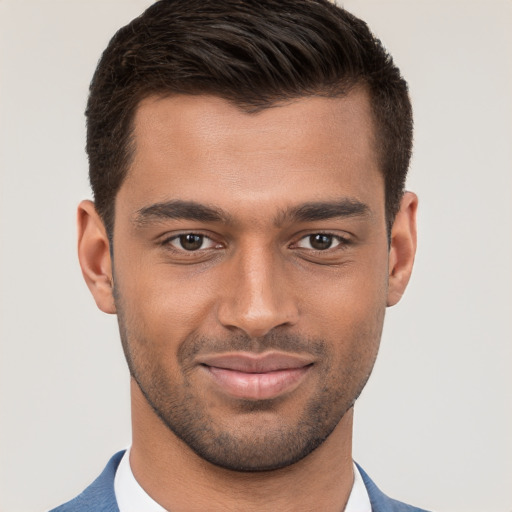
<point x="131" y="497"/>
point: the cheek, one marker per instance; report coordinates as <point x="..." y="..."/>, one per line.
<point x="161" y="305"/>
<point x="352" y="295"/>
<point x="347" y="309"/>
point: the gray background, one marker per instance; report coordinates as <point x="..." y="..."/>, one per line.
<point x="434" y="425"/>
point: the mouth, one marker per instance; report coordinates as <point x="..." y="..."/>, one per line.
<point x="251" y="376"/>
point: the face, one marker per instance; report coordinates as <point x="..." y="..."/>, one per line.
<point x="251" y="267"/>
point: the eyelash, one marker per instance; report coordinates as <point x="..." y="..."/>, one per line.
<point x="168" y="242"/>
<point x="342" y="242"/>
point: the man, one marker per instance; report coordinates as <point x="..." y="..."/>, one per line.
<point x="249" y="229"/>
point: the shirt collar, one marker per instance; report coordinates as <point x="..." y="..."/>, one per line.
<point x="131" y="497"/>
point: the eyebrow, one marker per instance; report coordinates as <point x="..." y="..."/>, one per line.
<point x="307" y="212"/>
<point x="178" y="209"/>
<point x="325" y="210"/>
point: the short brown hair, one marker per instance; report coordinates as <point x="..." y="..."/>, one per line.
<point x="253" y="53"/>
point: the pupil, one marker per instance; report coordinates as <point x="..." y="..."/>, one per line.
<point x="191" y="242"/>
<point x="320" y="241"/>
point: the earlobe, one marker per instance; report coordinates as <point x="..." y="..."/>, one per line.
<point x="403" y="248"/>
<point x="94" y="256"/>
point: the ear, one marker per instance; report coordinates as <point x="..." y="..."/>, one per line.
<point x="403" y="248"/>
<point x="94" y="256"/>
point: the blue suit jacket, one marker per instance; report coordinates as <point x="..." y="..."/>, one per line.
<point x="100" y="495"/>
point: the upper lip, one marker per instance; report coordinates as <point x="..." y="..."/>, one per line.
<point x="249" y="362"/>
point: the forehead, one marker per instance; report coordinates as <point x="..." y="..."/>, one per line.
<point x="307" y="122"/>
<point x="206" y="149"/>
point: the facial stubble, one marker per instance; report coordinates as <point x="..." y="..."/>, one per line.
<point x="252" y="436"/>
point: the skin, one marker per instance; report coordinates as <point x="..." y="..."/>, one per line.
<point x="257" y="284"/>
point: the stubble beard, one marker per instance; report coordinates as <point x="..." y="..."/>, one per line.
<point x="223" y="443"/>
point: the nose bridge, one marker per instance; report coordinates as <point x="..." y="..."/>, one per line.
<point x="257" y="297"/>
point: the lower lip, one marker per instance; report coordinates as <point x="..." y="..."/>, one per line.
<point x="258" y="386"/>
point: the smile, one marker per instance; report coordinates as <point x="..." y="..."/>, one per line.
<point x="257" y="376"/>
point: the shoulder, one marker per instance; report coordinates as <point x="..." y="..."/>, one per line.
<point x="382" y="503"/>
<point x="100" y="495"/>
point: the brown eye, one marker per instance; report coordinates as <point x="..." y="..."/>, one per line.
<point x="191" y="242"/>
<point x="320" y="242"/>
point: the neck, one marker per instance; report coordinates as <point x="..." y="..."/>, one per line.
<point x="179" y="480"/>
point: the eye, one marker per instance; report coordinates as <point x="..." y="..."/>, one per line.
<point x="320" y="242"/>
<point x="191" y="242"/>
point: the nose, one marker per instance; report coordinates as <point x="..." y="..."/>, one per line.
<point x="257" y="294"/>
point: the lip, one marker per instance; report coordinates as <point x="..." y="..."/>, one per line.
<point x="257" y="376"/>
